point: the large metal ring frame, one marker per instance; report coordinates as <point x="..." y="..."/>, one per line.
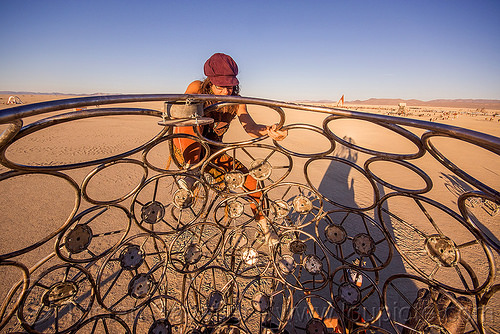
<point x="75" y="186"/>
<point x="395" y="128"/>
<point x="352" y="165"/>
<point x="82" y="230"/>
<point x="13" y="119"/>
<point x="446" y="240"/>
<point x="106" y="165"/>
<point x="51" y="121"/>
<point x="59" y="295"/>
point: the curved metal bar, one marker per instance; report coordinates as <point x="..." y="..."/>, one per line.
<point x="351" y="164"/>
<point x="106" y="165"/>
<point x="75" y="186"/>
<point x="418" y="171"/>
<point x="393" y="127"/>
<point x="454" y="168"/>
<point x="463" y="210"/>
<point x="4" y="318"/>
<point x="58" y="119"/>
<point x="11" y="131"/>
<point x="307" y="127"/>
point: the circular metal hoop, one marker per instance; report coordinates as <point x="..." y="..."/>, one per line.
<point x="426" y="139"/>
<point x="212" y="296"/>
<point x="132" y="273"/>
<point x="351" y="165"/>
<point x="58" y="293"/>
<point x="166" y="205"/>
<point x="301" y="262"/>
<point x="406" y="164"/>
<point x="37" y="244"/>
<point x="182" y="167"/>
<point x="291" y="205"/>
<point x="266" y="304"/>
<point x="236" y="211"/>
<point x="393" y="127"/>
<point x="55" y="120"/>
<point x="354" y="239"/>
<point x="487" y="324"/>
<point x="77" y="238"/>
<point x="421" y="315"/>
<point x="353" y="291"/>
<point x="311" y="128"/>
<point x="436" y="252"/>
<point x="246" y="253"/>
<point x="196" y="247"/>
<point x="104" y="166"/>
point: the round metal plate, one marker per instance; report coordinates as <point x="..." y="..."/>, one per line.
<point x="363" y="244"/>
<point x="215" y="301"/>
<point x="442" y="250"/>
<point x="183" y="199"/>
<point x="140" y="286"/>
<point x="260" y="169"/>
<point x="235" y="209"/>
<point x="78" y="239"/>
<point x="152" y="212"/>
<point x="286" y="264"/>
<point x="131" y="257"/>
<point x="302" y="204"/>
<point x="192" y="254"/>
<point x="336" y="234"/>
<point x="160" y="326"/>
<point x="280" y="208"/>
<point x="313" y="264"/>
<point x="60" y="293"/>
<point x="349" y="294"/>
<point x="234" y="179"/>
<point x="261" y="302"/>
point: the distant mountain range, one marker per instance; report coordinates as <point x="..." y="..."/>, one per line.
<point x="451" y="103"/>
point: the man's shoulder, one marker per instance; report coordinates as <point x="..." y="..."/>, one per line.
<point x="194" y="87"/>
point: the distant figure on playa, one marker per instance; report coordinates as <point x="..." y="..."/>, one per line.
<point x="221" y="71"/>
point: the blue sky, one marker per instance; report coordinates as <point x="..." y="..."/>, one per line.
<point x="286" y="50"/>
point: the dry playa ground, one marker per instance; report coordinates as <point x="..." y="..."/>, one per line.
<point x="34" y="206"/>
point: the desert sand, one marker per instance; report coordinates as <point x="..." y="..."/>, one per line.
<point x="33" y="206"/>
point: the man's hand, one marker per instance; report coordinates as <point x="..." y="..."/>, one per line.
<point x="432" y="310"/>
<point x="276" y="134"/>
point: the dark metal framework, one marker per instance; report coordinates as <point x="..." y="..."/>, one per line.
<point x="168" y="258"/>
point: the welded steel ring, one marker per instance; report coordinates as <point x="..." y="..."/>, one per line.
<point x="165" y="204"/>
<point x="111" y="323"/>
<point x="406" y="164"/>
<point x="196" y="247"/>
<point x="490" y="205"/>
<point x="315" y="314"/>
<point x="161" y="314"/>
<point x="488" y="322"/>
<point x="393" y="127"/>
<point x="181" y="165"/>
<point x="280" y="112"/>
<point x="58" y="119"/>
<point x="361" y="243"/>
<point x="428" y="320"/>
<point x="236" y="211"/>
<point x="6" y="303"/>
<point x="301" y="262"/>
<point x="36" y="244"/>
<point x="352" y="165"/>
<point x="354" y="291"/>
<point x="311" y="128"/>
<point x="266" y="304"/>
<point x="75" y="245"/>
<point x="494" y="148"/>
<point x="291" y="205"/>
<point x="231" y="176"/>
<point x="212" y="296"/>
<point x="132" y="273"/>
<point x="11" y="131"/>
<point x="246" y="253"/>
<point x="100" y="168"/>
<point x="438" y="253"/>
<point x="70" y="296"/>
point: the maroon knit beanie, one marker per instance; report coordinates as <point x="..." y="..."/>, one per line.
<point x="221" y="69"/>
